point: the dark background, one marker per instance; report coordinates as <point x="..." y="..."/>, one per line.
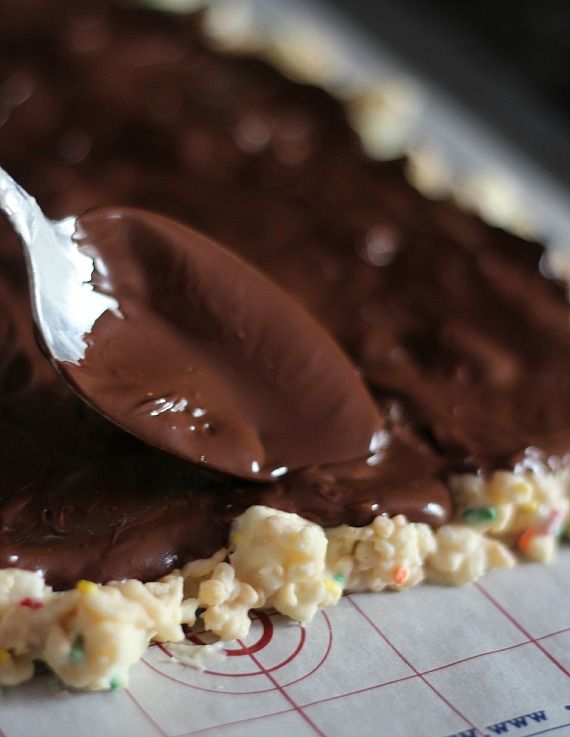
<point x="507" y="61"/>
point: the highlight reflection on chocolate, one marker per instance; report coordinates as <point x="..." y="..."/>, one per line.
<point x="462" y="341"/>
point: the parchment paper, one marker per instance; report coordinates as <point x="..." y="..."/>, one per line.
<point x="485" y="659"/>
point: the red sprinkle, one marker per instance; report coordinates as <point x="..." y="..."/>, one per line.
<point x="31" y="603"/>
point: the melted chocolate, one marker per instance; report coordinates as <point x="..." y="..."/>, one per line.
<point x="211" y="361"/>
<point x="460" y="337"/>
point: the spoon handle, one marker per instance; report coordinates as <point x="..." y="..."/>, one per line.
<point x="64" y="304"/>
<point x="21" y="208"/>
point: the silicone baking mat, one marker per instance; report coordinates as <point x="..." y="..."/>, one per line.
<point x="491" y="658"/>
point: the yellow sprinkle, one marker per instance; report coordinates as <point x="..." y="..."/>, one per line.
<point x="529" y="507"/>
<point x="86" y="587"/>
<point x="5" y="656"/>
<point x="332" y="587"/>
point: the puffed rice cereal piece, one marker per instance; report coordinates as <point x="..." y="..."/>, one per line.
<point x="88" y="636"/>
<point x="16" y="585"/>
<point x="15" y="669"/>
<point x="463" y="555"/>
<point x="227" y="601"/>
<point x="193" y="574"/>
<point x="388" y="553"/>
<point x="538" y="547"/>
<point x="528" y="510"/>
<point x="283" y="556"/>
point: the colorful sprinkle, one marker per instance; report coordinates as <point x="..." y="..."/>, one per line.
<point x="5" y="656"/>
<point x="333" y="587"/>
<point x="529" y="507"/>
<point x="86" y="587"/>
<point x="526" y="538"/>
<point x="115" y="683"/>
<point x="475" y="515"/>
<point x="552" y="523"/>
<point x="340" y="577"/>
<point x="400" y="575"/>
<point x="77" y="652"/>
<point x="27" y="601"/>
<point x="521" y="490"/>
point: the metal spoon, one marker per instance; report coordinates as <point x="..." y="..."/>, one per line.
<point x="64" y="303"/>
<point x="187" y="347"/>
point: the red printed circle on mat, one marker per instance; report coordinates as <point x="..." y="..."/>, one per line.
<point x="273" y="646"/>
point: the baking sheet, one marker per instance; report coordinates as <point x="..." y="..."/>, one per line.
<point x="486" y="659"/>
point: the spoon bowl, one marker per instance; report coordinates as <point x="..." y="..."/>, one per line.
<point x="186" y="346"/>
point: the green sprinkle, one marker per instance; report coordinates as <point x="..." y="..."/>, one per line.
<point x="77" y="652"/>
<point x="341" y="578"/>
<point x="115" y="683"/>
<point x="479" y="514"/>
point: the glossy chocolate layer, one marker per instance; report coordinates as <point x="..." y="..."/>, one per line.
<point x="461" y="338"/>
<point x="211" y="361"/>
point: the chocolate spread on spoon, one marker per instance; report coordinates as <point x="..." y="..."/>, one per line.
<point x="211" y="361"/>
<point x="460" y="337"/>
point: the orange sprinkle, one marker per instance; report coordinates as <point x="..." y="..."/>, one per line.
<point x="401" y="574"/>
<point x="526" y="538"/>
